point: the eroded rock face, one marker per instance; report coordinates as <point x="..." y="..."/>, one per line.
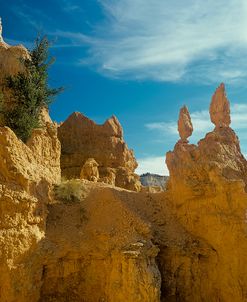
<point x="27" y="173"/>
<point x="45" y="116"/>
<point x="81" y="139"/>
<point x="185" y="127"/>
<point x="220" y="108"/>
<point x="110" y="244"/>
<point x="108" y="255"/>
<point x="207" y="186"/>
<point x="10" y="59"/>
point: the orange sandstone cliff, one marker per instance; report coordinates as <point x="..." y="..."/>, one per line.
<point x="27" y="173"/>
<point x="207" y="187"/>
<point x="89" y="239"/>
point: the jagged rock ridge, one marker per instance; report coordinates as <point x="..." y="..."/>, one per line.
<point x="82" y="139"/>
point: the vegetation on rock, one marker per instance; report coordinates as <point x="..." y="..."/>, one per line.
<point x="29" y="91"/>
<point x="70" y="190"/>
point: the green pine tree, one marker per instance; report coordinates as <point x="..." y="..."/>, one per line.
<point x="29" y="91"/>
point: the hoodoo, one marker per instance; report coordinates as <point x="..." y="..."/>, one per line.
<point x="96" y="237"/>
<point x="185" y="127"/>
<point x="220" y="108"/>
<point x="207" y="186"/>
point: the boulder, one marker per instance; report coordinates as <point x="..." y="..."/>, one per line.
<point x="90" y="170"/>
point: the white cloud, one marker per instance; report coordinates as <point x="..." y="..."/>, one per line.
<point x="202" y="124"/>
<point x="152" y="164"/>
<point x="193" y="40"/>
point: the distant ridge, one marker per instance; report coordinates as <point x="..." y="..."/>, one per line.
<point x="149" y="179"/>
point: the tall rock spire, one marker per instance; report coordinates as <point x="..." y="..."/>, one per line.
<point x="220" y="108"/>
<point x="185" y="127"/>
<point x="1" y="31"/>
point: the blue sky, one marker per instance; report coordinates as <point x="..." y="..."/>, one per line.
<point x="140" y="60"/>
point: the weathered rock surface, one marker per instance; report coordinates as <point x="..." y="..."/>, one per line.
<point x="185" y="127"/>
<point x="99" y="249"/>
<point x="207" y="186"/>
<point x="220" y="108"/>
<point x="45" y="117"/>
<point x="10" y="64"/>
<point x="90" y="170"/>
<point x="81" y="139"/>
<point x="103" y="243"/>
<point x="26" y="175"/>
<point x="10" y="59"/>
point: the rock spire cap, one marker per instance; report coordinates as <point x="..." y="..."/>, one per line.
<point x="185" y="127"/>
<point x="220" y="108"/>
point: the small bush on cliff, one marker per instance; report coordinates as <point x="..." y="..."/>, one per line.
<point x="70" y="191"/>
<point x="29" y="92"/>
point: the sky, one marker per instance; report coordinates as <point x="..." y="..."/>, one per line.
<point x="141" y="60"/>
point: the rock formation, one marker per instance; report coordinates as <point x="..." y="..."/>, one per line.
<point x="207" y="186"/>
<point x="11" y="63"/>
<point x="185" y="127"/>
<point x="97" y="242"/>
<point x="27" y="173"/>
<point x="81" y="139"/>
<point x="45" y="116"/>
<point x="150" y="180"/>
<point x="220" y="108"/>
<point x="90" y="170"/>
<point x="100" y="249"/>
<point x="10" y="59"/>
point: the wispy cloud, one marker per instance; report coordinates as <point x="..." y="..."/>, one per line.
<point x="152" y="164"/>
<point x="30" y="15"/>
<point x="202" y="124"/>
<point x="70" y="6"/>
<point x="201" y="41"/>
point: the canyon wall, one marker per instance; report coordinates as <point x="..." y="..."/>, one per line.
<point x="27" y="173"/>
<point x="81" y="240"/>
<point x="99" y="249"/>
